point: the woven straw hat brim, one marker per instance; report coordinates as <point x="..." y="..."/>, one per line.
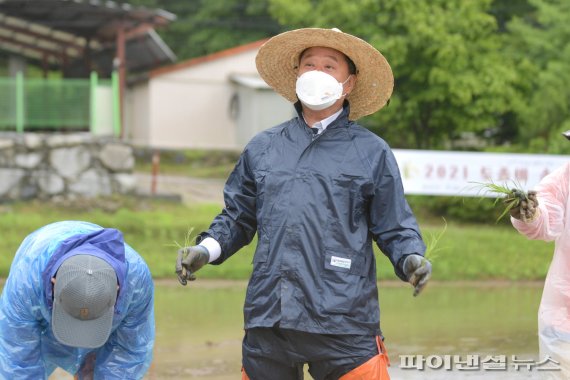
<point x="278" y="59"/>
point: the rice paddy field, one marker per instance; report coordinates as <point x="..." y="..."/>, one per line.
<point x="464" y="252"/>
<point x="482" y="300"/>
<point x="199" y="329"/>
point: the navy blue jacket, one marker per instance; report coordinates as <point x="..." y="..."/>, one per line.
<point x="317" y="204"/>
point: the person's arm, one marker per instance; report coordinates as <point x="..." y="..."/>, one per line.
<point x="392" y="223"/>
<point x="552" y="195"/>
<point x="236" y="225"/>
<point x="20" y="329"/>
<point x="128" y="352"/>
<point x="232" y="229"/>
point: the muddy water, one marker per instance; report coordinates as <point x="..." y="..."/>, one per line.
<point x="199" y="329"/>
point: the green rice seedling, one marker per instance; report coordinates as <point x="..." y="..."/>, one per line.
<point x="511" y="197"/>
<point x="188" y="239"/>
<point x="432" y="243"/>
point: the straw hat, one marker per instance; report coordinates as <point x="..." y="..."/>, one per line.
<point x="278" y="59"/>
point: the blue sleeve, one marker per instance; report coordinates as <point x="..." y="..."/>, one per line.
<point x="128" y="352"/>
<point x="236" y="225"/>
<point x="392" y="223"/>
<point x="21" y="327"/>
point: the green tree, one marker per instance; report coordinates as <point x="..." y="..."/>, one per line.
<point x="505" y="10"/>
<point x="539" y="43"/>
<point x="450" y="75"/>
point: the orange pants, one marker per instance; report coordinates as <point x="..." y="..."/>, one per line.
<point x="374" y="369"/>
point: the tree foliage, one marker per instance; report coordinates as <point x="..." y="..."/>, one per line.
<point x="539" y="44"/>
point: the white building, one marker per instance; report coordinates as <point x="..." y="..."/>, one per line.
<point x="213" y="102"/>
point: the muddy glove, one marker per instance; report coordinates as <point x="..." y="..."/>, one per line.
<point x="87" y="369"/>
<point x="418" y="272"/>
<point x="527" y="209"/>
<point x="189" y="261"/>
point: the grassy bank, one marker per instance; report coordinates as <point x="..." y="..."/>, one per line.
<point x="192" y="163"/>
<point x="466" y="252"/>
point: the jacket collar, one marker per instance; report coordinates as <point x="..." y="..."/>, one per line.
<point x="342" y="119"/>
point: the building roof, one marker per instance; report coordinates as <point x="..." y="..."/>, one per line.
<point x="64" y="32"/>
<point x="207" y="58"/>
<point x="250" y="81"/>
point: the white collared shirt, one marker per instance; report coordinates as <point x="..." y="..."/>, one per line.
<point x="323" y="124"/>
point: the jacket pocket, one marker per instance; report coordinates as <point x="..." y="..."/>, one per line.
<point x="342" y="283"/>
<point x="349" y="194"/>
<point x="352" y="185"/>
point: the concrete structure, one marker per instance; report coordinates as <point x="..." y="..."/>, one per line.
<point x="81" y="165"/>
<point x="212" y="102"/>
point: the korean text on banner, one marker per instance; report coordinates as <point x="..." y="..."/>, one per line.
<point x="459" y="173"/>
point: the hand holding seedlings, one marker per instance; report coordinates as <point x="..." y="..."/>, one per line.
<point x="526" y="207"/>
<point x="418" y="272"/>
<point x="189" y="261"/>
<point x="518" y="203"/>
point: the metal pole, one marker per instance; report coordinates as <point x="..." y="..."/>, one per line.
<point x="121" y="68"/>
<point x="20" y="102"/>
<point x="116" y="103"/>
<point x="93" y="102"/>
<point x="155" y="167"/>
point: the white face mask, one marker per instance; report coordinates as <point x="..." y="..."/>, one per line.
<point x="318" y="90"/>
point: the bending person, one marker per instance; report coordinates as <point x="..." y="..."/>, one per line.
<point x="79" y="298"/>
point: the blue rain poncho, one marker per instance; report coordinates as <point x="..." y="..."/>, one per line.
<point x="28" y="348"/>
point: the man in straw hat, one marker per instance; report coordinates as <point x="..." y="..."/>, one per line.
<point x="545" y="215"/>
<point x="79" y="298"/>
<point x="318" y="190"/>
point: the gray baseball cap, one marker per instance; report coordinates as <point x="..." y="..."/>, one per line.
<point x="85" y="292"/>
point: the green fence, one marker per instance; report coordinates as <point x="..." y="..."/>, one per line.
<point x="35" y="104"/>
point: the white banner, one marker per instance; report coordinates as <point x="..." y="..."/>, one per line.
<point x="462" y="173"/>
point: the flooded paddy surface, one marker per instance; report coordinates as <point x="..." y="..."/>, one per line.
<point x="199" y="330"/>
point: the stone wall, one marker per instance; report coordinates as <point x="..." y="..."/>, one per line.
<point x="36" y="165"/>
